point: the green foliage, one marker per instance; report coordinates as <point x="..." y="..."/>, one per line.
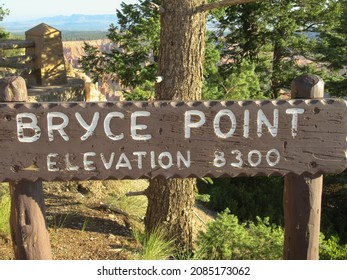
<point x="243" y="83"/>
<point x="280" y="28"/>
<point x="227" y="239"/>
<point x="3" y="12"/>
<point x="5" y="205"/>
<point x="246" y="198"/>
<point x="334" y="207"/>
<point x="210" y="89"/>
<point x="133" y="59"/>
<point x="142" y="92"/>
<point x="331" y="249"/>
<point x="332" y="48"/>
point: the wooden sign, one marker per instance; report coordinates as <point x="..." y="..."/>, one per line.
<point x="86" y="141"/>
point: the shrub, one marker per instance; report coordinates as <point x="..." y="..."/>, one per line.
<point x="227" y="239"/>
<point x="330" y="249"/>
<point x="246" y="198"/>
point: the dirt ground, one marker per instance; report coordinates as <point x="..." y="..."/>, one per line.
<point x="83" y="225"/>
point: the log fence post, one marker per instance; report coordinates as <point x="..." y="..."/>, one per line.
<point x="303" y="194"/>
<point x="29" y="232"/>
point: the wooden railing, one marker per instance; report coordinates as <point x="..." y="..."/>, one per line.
<point x="16" y="44"/>
<point x="43" y="62"/>
<point x="22" y="62"/>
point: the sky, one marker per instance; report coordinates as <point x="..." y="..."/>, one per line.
<point x="33" y="9"/>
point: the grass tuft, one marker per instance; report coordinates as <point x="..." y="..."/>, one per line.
<point x="155" y="245"/>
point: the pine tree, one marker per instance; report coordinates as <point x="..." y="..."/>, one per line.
<point x="133" y="58"/>
<point x="180" y="68"/>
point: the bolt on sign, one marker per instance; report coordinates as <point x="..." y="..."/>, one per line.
<point x="129" y="140"/>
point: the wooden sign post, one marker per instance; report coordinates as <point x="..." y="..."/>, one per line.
<point x="29" y="233"/>
<point x="302" y="195"/>
<point x="83" y="141"/>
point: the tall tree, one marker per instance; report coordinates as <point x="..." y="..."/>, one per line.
<point x="182" y="46"/>
<point x="180" y="77"/>
<point x="180" y="66"/>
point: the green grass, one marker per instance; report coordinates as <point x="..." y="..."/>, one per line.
<point x="134" y="206"/>
<point x="155" y="246"/>
<point x="58" y="221"/>
<point x="5" y="206"/>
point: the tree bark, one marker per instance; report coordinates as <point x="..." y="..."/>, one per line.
<point x="182" y="48"/>
<point x="29" y="233"/>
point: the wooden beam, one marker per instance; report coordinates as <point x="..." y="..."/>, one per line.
<point x="16" y="44"/>
<point x="17" y="62"/>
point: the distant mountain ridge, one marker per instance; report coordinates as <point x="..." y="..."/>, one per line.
<point x="74" y="22"/>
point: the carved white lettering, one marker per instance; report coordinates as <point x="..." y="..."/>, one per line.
<point x="123" y="161"/>
<point x="262" y="119"/>
<point x="219" y="159"/>
<point x="251" y="155"/>
<point x="27" y="126"/>
<point x="246" y="124"/>
<point x="107" y="128"/>
<point x="216" y="123"/>
<point x="180" y="158"/>
<point x="69" y="165"/>
<point x="253" y="158"/>
<point x="52" y="165"/>
<point x="58" y="127"/>
<point x="135" y="126"/>
<point x="107" y="164"/>
<point x="88" y="164"/>
<point x="239" y="159"/>
<point x="295" y="112"/>
<point x="168" y="156"/>
<point x="89" y="128"/>
<point x="273" y="153"/>
<point x="153" y="165"/>
<point x="188" y="121"/>
<point x="140" y="157"/>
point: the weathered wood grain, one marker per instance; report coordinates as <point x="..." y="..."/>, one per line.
<point x="29" y="233"/>
<point x="316" y="146"/>
<point x="302" y="196"/>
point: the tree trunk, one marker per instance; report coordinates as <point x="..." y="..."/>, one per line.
<point x="182" y="47"/>
<point x="29" y="233"/>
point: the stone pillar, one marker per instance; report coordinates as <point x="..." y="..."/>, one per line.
<point x="49" y="56"/>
